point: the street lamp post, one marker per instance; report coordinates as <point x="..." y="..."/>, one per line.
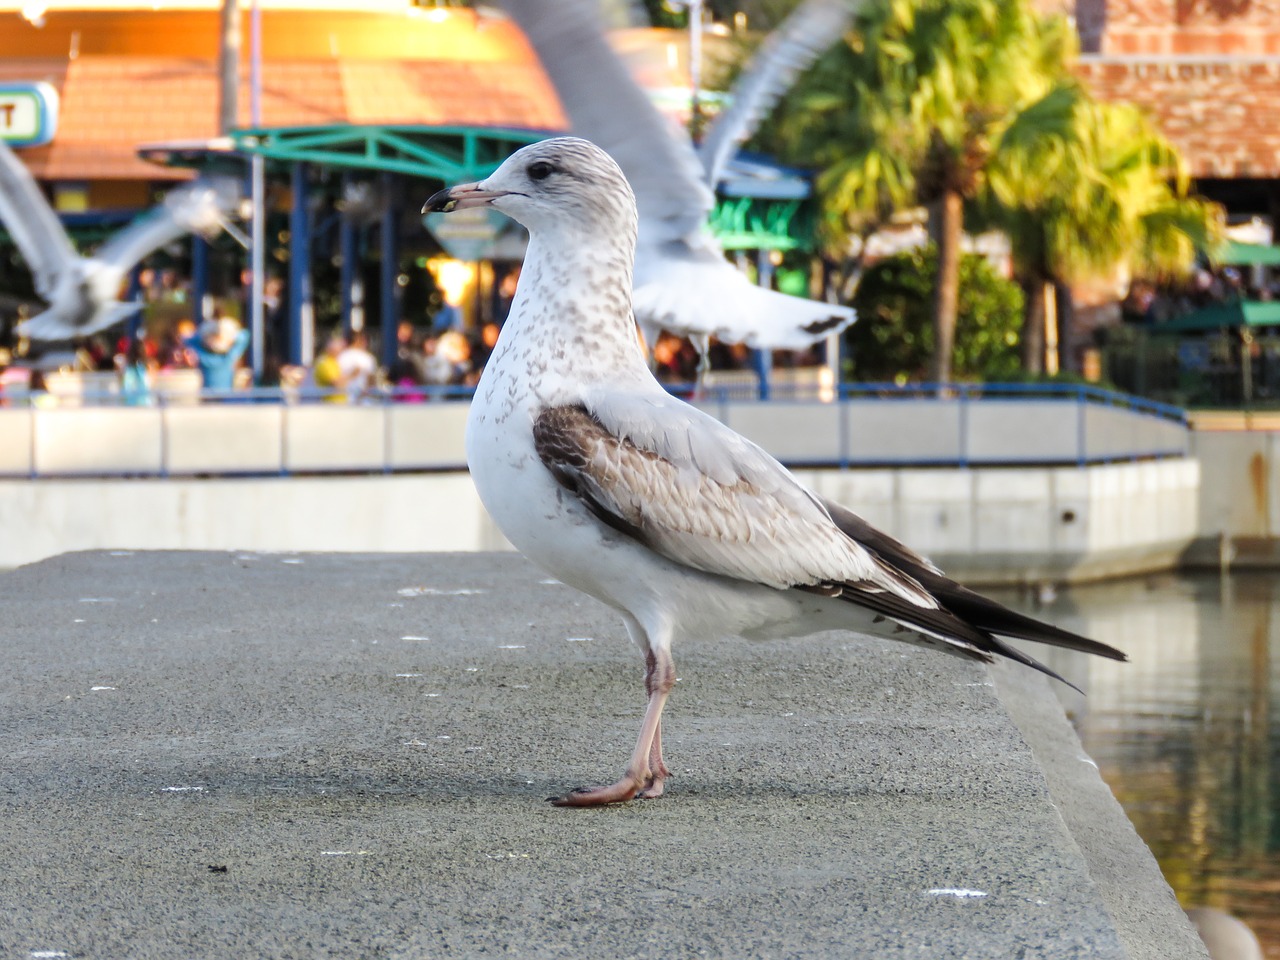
<point x="258" y="253"/>
<point x="695" y="65"/>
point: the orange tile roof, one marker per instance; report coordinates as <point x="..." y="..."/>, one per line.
<point x="439" y="92"/>
<point x="112" y="103"/>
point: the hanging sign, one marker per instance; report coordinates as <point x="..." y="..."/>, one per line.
<point x="469" y="234"/>
<point x="28" y="114"/>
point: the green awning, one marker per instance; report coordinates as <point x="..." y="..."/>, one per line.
<point x="1241" y="313"/>
<point x="1248" y="255"/>
<point x="448" y="154"/>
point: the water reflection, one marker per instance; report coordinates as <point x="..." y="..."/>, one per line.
<point x="1188" y="733"/>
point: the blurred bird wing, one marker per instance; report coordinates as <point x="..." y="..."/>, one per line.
<point x="32" y="224"/>
<point x="195" y="208"/>
<point x="787" y="52"/>
<point x="60" y="323"/>
<point x="692" y="292"/>
<point x="605" y="105"/>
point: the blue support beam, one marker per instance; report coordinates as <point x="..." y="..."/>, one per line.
<point x="347" y="252"/>
<point x="390" y="289"/>
<point x="199" y="276"/>
<point x="301" y="312"/>
<point x="762" y="360"/>
<point x="762" y="364"/>
<point x="133" y="294"/>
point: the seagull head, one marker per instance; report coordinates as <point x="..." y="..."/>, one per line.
<point x="558" y="185"/>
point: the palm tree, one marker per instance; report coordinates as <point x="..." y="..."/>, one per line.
<point x="908" y="110"/>
<point x="1087" y="191"/>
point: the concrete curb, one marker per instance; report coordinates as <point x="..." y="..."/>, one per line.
<point x="221" y="754"/>
<point x="1148" y="919"/>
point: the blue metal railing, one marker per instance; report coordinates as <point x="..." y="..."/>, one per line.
<point x="1155" y="429"/>
<point x="1080" y="393"/>
<point x="262" y="395"/>
<point x="1077" y="392"/>
<point x="950" y="425"/>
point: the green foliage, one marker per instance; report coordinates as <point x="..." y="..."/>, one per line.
<point x="909" y="105"/>
<point x="661" y="15"/>
<point x="1086" y="189"/>
<point x="974" y="98"/>
<point x="893" y="338"/>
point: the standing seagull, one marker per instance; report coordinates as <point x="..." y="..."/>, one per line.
<point x="617" y="488"/>
<point x="683" y="283"/>
<point x="81" y="291"/>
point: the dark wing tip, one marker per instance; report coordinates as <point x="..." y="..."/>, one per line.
<point x="827" y="323"/>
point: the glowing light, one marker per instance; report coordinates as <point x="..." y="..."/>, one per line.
<point x="453" y="277"/>
<point x="33" y="12"/>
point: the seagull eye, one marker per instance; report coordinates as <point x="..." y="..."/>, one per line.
<point x="540" y="170"/>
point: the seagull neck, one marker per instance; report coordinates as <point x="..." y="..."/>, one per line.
<point x="577" y="293"/>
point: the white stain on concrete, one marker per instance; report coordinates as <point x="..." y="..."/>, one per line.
<point x="438" y="592"/>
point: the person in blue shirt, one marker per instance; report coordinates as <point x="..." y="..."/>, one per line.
<point x="135" y="374"/>
<point x="218" y="345"/>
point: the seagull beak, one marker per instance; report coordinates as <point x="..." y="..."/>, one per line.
<point x="460" y="197"/>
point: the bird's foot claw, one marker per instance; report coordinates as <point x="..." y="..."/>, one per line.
<point x="653" y="784"/>
<point x="628" y="788"/>
<point x="652" y="790"/>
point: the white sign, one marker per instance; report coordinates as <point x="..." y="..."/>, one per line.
<point x="28" y="113"/>
<point x="469" y="234"/>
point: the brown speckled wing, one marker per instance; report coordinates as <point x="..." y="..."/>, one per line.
<point x="728" y="526"/>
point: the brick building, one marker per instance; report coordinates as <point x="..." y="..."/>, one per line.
<point x="1209" y="72"/>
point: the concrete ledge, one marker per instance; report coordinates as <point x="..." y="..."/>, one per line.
<point x="1118" y="860"/>
<point x="227" y="754"/>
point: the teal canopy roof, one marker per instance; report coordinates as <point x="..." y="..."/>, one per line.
<point x="1241" y="313"/>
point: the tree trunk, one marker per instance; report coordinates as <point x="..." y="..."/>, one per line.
<point x="229" y="67"/>
<point x="948" y="216"/>
<point x="1033" y="325"/>
<point x="1069" y="357"/>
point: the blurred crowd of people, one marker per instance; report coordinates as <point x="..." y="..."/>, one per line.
<point x="215" y="349"/>
<point x="426" y="364"/>
<point x="170" y="354"/>
<point x="1147" y="304"/>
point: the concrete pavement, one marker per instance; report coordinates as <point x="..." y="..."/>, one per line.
<point x="270" y="756"/>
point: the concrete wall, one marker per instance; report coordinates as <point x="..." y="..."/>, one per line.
<point x="365" y="513"/>
<point x="243" y="438"/>
<point x="230" y="438"/>
<point x="923" y="430"/>
<point x="1239" y="498"/>
<point x="987" y="525"/>
<point x="1009" y="525"/>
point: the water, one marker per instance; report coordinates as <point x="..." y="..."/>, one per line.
<point x="1188" y="734"/>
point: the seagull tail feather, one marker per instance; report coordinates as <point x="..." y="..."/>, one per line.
<point x="993" y="617"/>
<point x="975" y="610"/>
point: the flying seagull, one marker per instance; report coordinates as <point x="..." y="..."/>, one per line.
<point x="81" y="291"/>
<point x="683" y="284"/>
<point x="618" y="489"/>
